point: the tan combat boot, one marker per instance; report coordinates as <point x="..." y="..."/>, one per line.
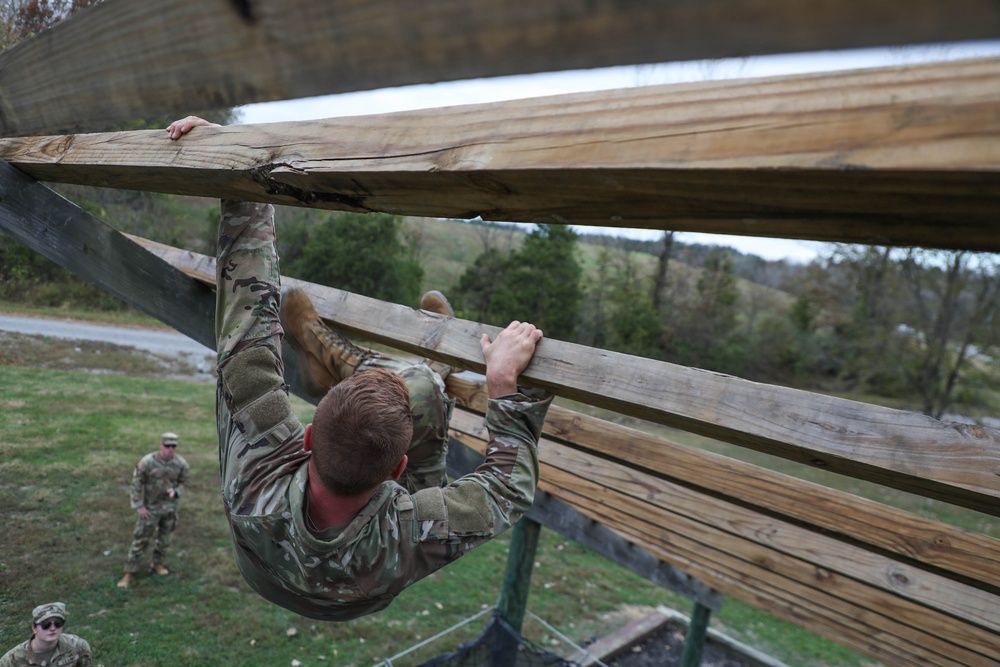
<point x="127" y="580"/>
<point x="159" y="569"/>
<point x="435" y="302"/>
<point x="323" y="357"/>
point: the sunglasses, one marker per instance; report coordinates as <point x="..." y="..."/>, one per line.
<point x="48" y="623"/>
<point x="169" y="446"/>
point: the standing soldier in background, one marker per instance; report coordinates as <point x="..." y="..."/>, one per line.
<point x="157" y="485"/>
<point x="48" y="645"/>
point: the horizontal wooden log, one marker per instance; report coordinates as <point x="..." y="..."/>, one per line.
<point x="895" y="156"/>
<point x="953" y="462"/>
<point x="120" y="61"/>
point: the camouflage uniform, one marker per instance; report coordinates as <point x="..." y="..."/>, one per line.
<point x="401" y="535"/>
<point x="71" y="651"/>
<point x="152" y="478"/>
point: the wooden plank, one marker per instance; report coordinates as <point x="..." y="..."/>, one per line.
<point x="693" y="511"/>
<point x="52" y="226"/>
<point x="897" y="156"/>
<point x="120" y="61"/>
<point x="871" y="630"/>
<point x="739" y="562"/>
<point x="953" y="462"/>
<point x="907" y="536"/>
<point x="842" y="609"/>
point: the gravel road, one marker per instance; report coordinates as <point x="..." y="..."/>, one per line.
<point x="167" y="343"/>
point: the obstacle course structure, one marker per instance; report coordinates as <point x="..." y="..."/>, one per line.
<point x="908" y="155"/>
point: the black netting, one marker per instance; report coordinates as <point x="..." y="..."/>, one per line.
<point x="498" y="646"/>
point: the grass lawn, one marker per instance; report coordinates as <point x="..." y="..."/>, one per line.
<point x="69" y="440"/>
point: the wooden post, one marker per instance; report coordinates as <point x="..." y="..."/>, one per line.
<point x="694" y="640"/>
<point x="514" y="594"/>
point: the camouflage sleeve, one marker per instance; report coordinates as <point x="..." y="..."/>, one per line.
<point x="483" y="504"/>
<point x="182" y="479"/>
<point x="9" y="658"/>
<point x="137" y="493"/>
<point x="247" y="280"/>
<point x="83" y="650"/>
<point x="260" y="439"/>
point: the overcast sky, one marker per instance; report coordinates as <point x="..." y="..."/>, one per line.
<point x="534" y="85"/>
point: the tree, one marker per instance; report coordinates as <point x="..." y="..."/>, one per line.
<point x="361" y="253"/>
<point x="474" y="293"/>
<point x="955" y="297"/>
<point x="541" y="284"/>
<point x="662" y="271"/>
<point x="702" y="329"/>
<point x="20" y="19"/>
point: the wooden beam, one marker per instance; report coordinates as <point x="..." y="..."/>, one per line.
<point x="953" y="462"/>
<point x="896" y="156"/>
<point x="42" y="220"/>
<point x="819" y="581"/>
<point x="121" y="61"/>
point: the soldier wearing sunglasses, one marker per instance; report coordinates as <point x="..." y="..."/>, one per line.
<point x="49" y="645"/>
<point x="157" y="485"/>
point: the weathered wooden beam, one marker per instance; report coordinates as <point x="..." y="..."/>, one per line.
<point x="896" y="156"/>
<point x="953" y="462"/>
<point x="739" y="550"/>
<point x="52" y="226"/>
<point x="120" y="61"/>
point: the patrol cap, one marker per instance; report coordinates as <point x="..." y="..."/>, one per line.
<point x="169" y="438"/>
<point x="49" y="610"/>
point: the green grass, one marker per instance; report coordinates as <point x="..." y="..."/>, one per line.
<point x="68" y="443"/>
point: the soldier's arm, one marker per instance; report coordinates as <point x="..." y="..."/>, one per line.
<point x="137" y="492"/>
<point x="84" y="659"/>
<point x="182" y="479"/>
<point x="483" y="504"/>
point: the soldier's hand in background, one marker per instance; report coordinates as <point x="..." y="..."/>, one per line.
<point x="144" y="513"/>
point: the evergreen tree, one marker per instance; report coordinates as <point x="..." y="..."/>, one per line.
<point x="542" y="283"/>
<point x="361" y="253"/>
<point x="473" y="296"/>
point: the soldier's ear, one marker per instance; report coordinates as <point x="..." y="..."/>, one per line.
<point x="307" y="441"/>
<point x="400" y="467"/>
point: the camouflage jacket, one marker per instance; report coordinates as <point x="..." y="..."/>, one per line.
<point x="398" y="537"/>
<point x="153" y="477"/>
<point x="71" y="651"/>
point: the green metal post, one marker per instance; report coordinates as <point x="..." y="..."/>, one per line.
<point x="694" y="640"/>
<point x="514" y="594"/>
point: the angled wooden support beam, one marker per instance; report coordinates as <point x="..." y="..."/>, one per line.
<point x="953" y="462"/>
<point x="52" y="226"/>
<point x="893" y="156"/>
<point x="121" y="61"/>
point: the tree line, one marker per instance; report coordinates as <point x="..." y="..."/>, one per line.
<point x="916" y="326"/>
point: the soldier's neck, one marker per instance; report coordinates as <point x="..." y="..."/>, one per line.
<point x="328" y="509"/>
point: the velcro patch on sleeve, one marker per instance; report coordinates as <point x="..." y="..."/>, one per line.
<point x="250" y="375"/>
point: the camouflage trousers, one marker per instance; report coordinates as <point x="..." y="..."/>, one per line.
<point x="431" y="410"/>
<point x="161" y="523"/>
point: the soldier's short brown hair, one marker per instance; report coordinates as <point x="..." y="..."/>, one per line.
<point x="361" y="430"/>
